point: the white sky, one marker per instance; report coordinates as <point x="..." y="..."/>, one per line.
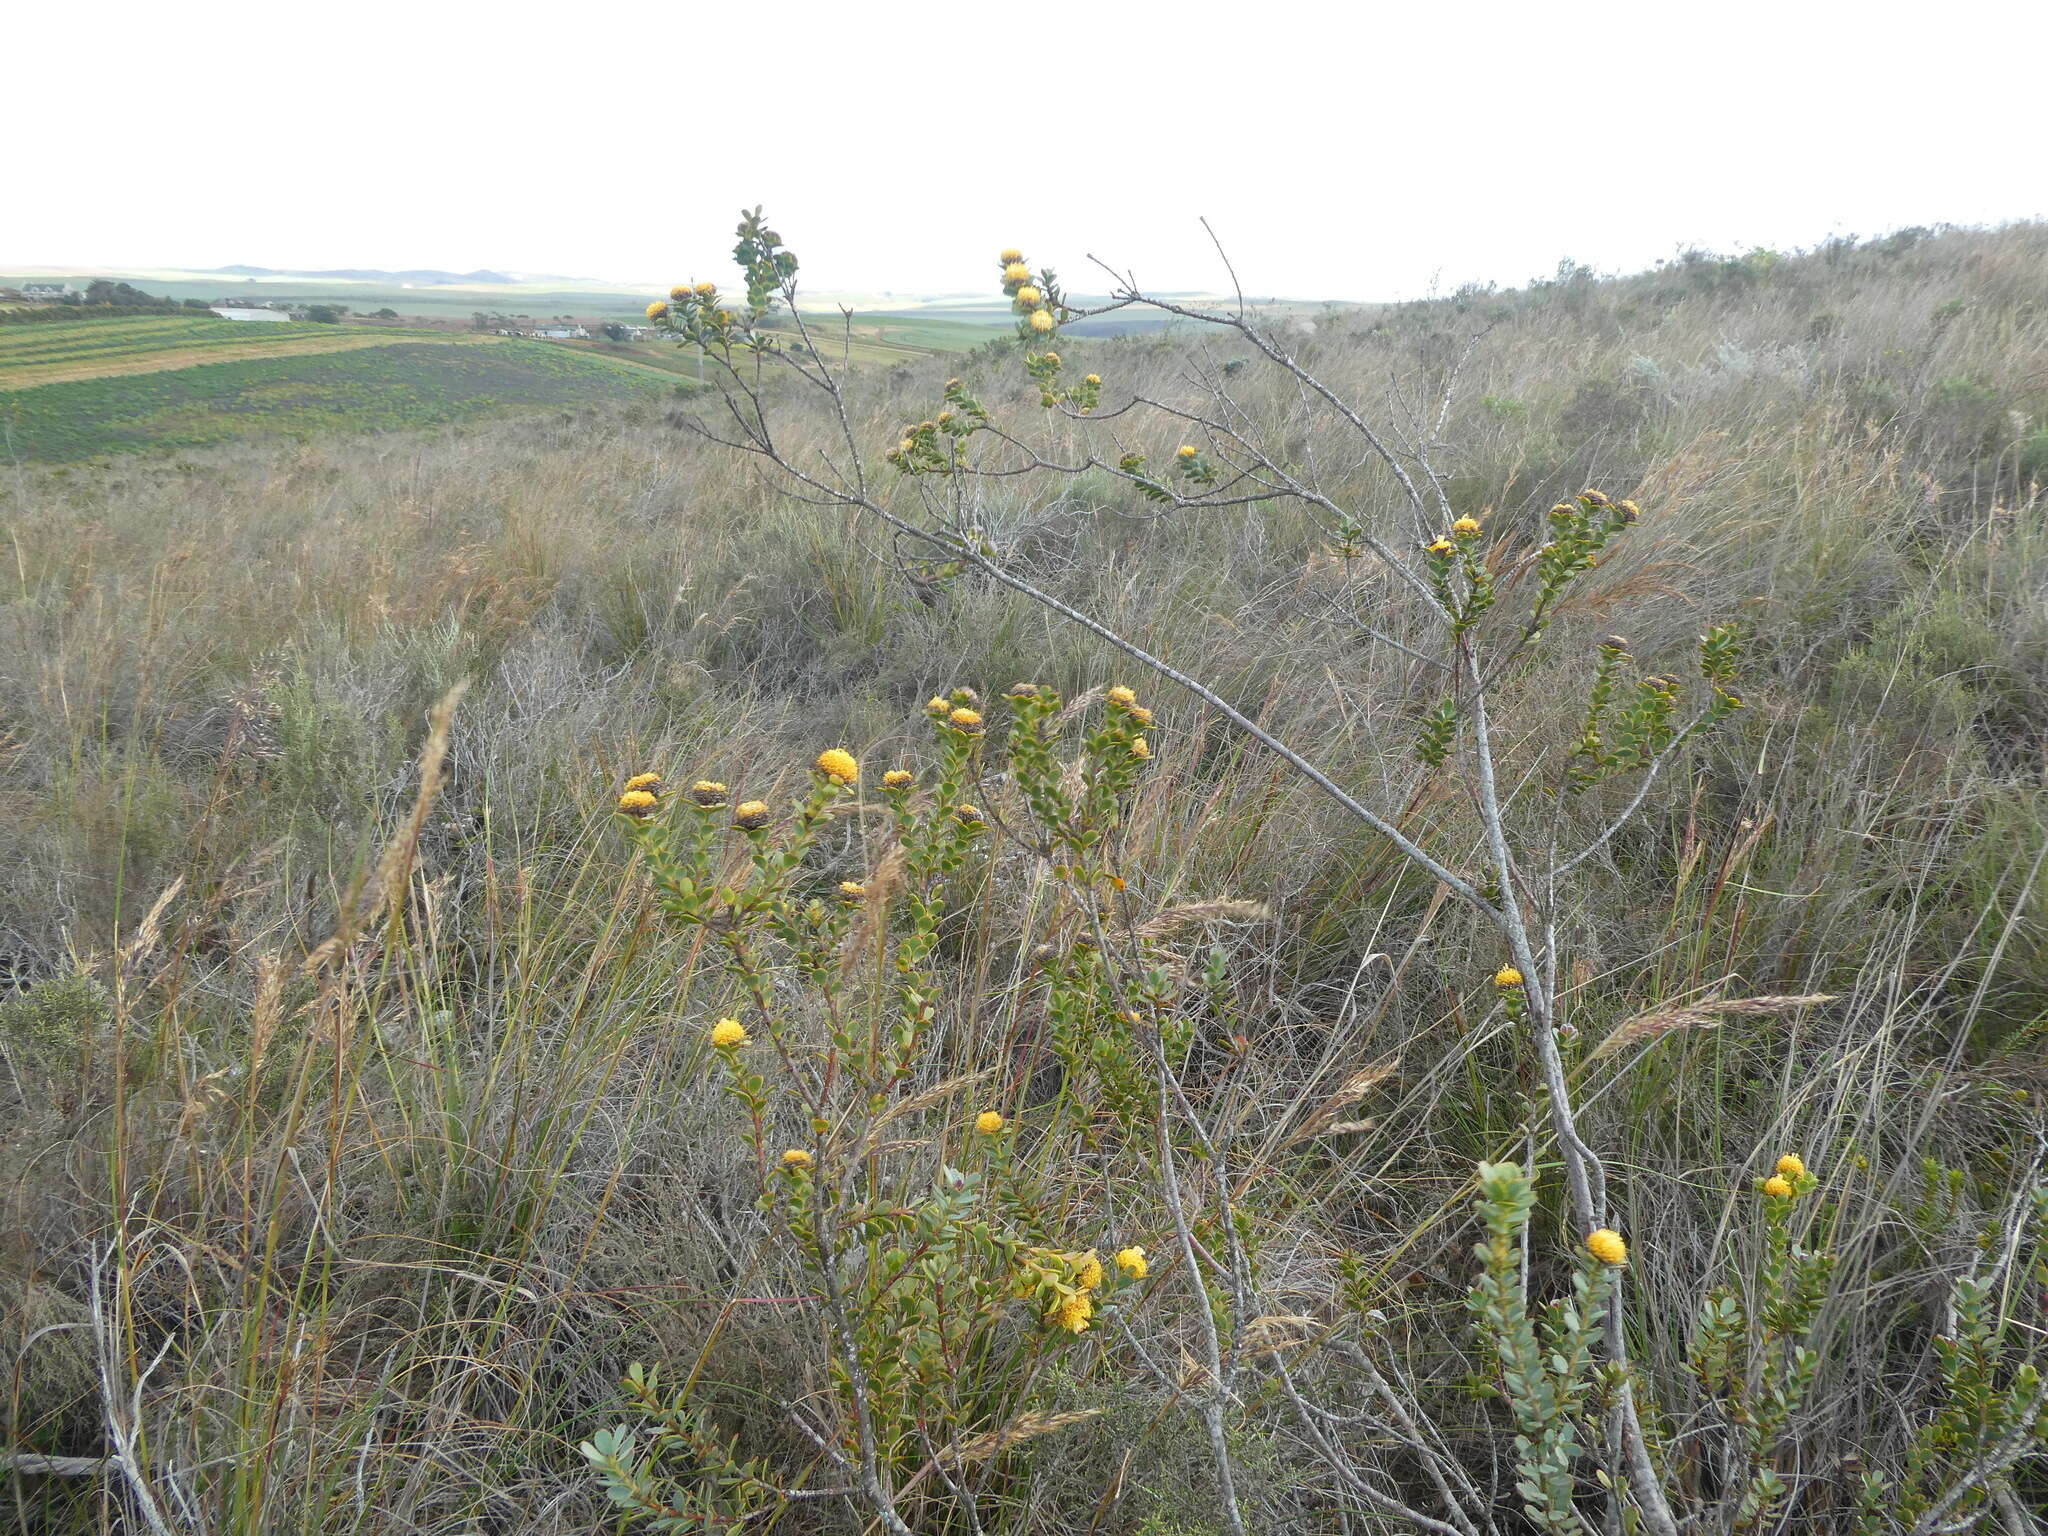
<point x="1342" y="150"/>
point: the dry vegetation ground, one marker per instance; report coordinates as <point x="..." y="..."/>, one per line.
<point x="379" y="1276"/>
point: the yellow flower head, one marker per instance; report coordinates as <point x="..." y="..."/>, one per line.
<point x="988" y="1122"/>
<point x="1089" y="1275"/>
<point x="708" y="792"/>
<point x="839" y="764"/>
<point x="1465" y="525"/>
<point x="965" y="719"/>
<point x="1093" y="379"/>
<point x="1790" y="1166"/>
<point x="852" y="890"/>
<point x="1597" y="498"/>
<point x="644" y="781"/>
<point x="936" y="705"/>
<point x="1606" y="1246"/>
<point x="728" y="1034"/>
<point x="896" y="778"/>
<point x="657" y="309"/>
<point x="968" y="815"/>
<point x="1073" y="1312"/>
<point x="681" y="291"/>
<point x="1187" y="450"/>
<point x="1015" y="271"/>
<point x="1132" y="1262"/>
<point x="906" y="445"/>
<point x="1140" y="714"/>
<point x="1443" y="547"/>
<point x="1507" y="976"/>
<point x="1779" y="1188"/>
<point x="1028" y="295"/>
<point x="796" y="1157"/>
<point x="752" y="815"/>
<point x="637" y="802"/>
<point x="1041" y="320"/>
<point x="1629" y="510"/>
<point x="1140" y="747"/>
<point x="705" y="290"/>
<point x="1122" y="695"/>
<point x="1010" y="255"/>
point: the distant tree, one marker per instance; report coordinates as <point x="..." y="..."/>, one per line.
<point x="195" y="304"/>
<point x="387" y="313"/>
<point x="324" y="314"/>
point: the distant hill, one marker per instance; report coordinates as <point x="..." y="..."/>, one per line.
<point x="370" y="275"/>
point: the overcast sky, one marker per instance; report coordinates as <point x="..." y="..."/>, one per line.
<point x="1341" y="150"/>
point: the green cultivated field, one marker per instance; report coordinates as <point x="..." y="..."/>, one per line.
<point x="402" y="384"/>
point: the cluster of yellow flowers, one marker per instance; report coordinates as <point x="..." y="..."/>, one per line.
<point x="839" y="765"/>
<point x="1788" y="1181"/>
<point x="1026" y="297"/>
<point x="1073" y="1280"/>
<point x="642" y="794"/>
<point x="988" y="1122"/>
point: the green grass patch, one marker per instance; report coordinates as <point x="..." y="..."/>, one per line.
<point x="406" y="384"/>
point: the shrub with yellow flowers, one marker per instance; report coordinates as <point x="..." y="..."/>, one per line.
<point x="927" y="1199"/>
<point x="936" y="1286"/>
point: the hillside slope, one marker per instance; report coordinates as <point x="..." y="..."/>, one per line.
<point x="362" y="1139"/>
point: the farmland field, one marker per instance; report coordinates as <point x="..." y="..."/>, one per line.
<point x="402" y="383"/>
<point x="32" y="355"/>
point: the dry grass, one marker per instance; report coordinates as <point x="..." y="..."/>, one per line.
<point x="374" y="1241"/>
